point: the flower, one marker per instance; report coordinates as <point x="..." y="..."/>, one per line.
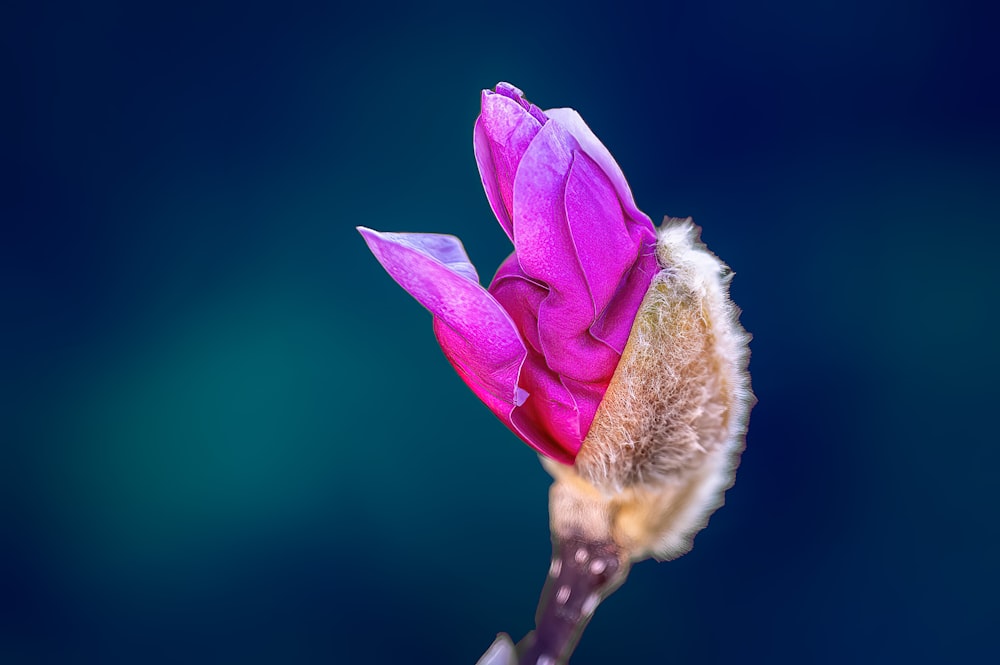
<point x="611" y="348"/>
<point x="541" y="344"/>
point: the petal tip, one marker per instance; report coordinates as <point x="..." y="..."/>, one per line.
<point x="520" y="395"/>
<point x="508" y="90"/>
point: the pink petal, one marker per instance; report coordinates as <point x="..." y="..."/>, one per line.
<point x="569" y="406"/>
<point x="590" y="144"/>
<point x="435" y="270"/>
<point x="614" y="324"/>
<point x="569" y="234"/>
<point x="521" y="297"/>
<point x="475" y="332"/>
<point x="544" y="411"/>
<point x="553" y="408"/>
<point x="513" y="92"/>
<point x="503" y="131"/>
<point x="552" y="415"/>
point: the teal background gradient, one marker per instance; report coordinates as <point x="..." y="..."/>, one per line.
<point x="229" y="437"/>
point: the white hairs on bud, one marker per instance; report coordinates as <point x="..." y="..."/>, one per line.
<point x="666" y="439"/>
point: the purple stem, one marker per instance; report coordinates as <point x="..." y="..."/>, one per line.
<point x="582" y="574"/>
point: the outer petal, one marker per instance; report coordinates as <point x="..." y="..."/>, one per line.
<point x="435" y="270"/>
<point x="513" y="92"/>
<point x="596" y="150"/>
<point x="476" y="334"/>
<point x="570" y="234"/>
<point x="531" y="419"/>
<point x="504" y="129"/>
<point x="615" y="322"/>
<point x="561" y="407"/>
<point x="553" y="408"/>
<point x="521" y="296"/>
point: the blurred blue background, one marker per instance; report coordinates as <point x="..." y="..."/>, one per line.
<point x="229" y="437"/>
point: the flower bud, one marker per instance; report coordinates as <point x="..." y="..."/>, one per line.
<point x="612" y="351"/>
<point x="610" y="348"/>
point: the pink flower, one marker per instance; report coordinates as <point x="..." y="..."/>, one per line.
<point x="540" y="346"/>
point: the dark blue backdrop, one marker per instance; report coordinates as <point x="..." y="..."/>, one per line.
<point x="228" y="436"/>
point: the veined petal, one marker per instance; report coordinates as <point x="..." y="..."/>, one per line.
<point x="503" y="131"/>
<point x="521" y="297"/>
<point x="570" y="235"/>
<point x="553" y="411"/>
<point x="538" y="404"/>
<point x="481" y="337"/>
<point x="477" y="335"/>
<point x="483" y="149"/>
<point x="551" y="415"/>
<point x="513" y="92"/>
<point x="614" y="324"/>
<point x="590" y="144"/>
<point x="594" y="217"/>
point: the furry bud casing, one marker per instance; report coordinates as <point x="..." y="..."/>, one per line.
<point x="667" y="437"/>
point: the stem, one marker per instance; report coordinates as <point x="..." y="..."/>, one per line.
<point x="582" y="574"/>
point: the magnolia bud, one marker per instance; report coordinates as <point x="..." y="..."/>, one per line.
<point x="610" y="348"/>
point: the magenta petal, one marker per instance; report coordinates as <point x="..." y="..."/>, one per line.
<point x="551" y="415"/>
<point x="521" y="297"/>
<point x="483" y="149"/>
<point x="615" y="323"/>
<point x="553" y="408"/>
<point x="435" y="270"/>
<point x="601" y="239"/>
<point x="617" y="254"/>
<point x="476" y="334"/>
<point x="513" y="92"/>
<point x="501" y="136"/>
<point x="587" y="397"/>
<point x="553" y="239"/>
<point x="590" y="144"/>
<point x="530" y="416"/>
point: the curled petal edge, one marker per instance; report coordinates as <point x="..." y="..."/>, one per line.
<point x="476" y="333"/>
<point x="570" y="120"/>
